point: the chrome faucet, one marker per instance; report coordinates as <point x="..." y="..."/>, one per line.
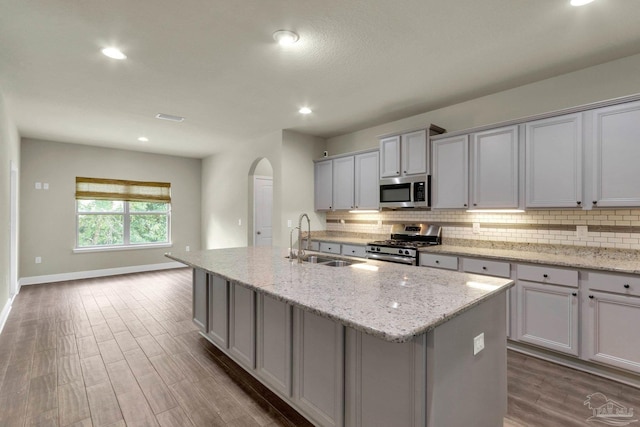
<point x="300" y="249"/>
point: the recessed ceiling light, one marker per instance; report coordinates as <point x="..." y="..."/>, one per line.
<point x="113" y="52"/>
<point x="285" y="37"/>
<point x="169" y="117"/>
<point x="143" y="139"/>
<point x="305" y="110"/>
<point x="580" y="2"/>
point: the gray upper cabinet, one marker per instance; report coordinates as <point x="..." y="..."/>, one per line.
<point x="343" y="183"/>
<point x="390" y="157"/>
<point x="495" y="169"/>
<point x="323" y="183"/>
<point x="553" y="150"/>
<point x="367" y="188"/>
<point x="450" y="173"/>
<point x="616" y="155"/>
<point x="414" y="153"/>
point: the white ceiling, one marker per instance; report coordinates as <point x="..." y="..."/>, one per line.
<point x="358" y="63"/>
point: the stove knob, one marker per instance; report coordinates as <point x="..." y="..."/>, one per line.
<point x="406" y="252"/>
<point x="400" y="251"/>
<point x="378" y="249"/>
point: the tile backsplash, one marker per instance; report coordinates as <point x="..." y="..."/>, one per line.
<point x="612" y="228"/>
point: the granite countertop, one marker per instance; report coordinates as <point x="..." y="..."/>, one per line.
<point x="616" y="261"/>
<point x="343" y="239"/>
<point x="390" y="301"/>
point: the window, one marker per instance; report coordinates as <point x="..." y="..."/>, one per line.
<point x="115" y="213"/>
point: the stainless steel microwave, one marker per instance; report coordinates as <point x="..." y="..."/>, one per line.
<point x="406" y="192"/>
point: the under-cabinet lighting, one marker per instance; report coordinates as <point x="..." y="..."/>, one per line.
<point x="495" y="210"/>
<point x="365" y="211"/>
<point x="482" y="286"/>
<point x="143" y="139"/>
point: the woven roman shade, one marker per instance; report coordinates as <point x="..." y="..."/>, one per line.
<point x="118" y="189"/>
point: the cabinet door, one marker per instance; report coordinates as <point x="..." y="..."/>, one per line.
<point x="274" y="343"/>
<point x="242" y="325"/>
<point x="611" y="330"/>
<point x="367" y="185"/>
<point x="554" y="162"/>
<point x="390" y="157"/>
<point x="319" y="368"/>
<point x="414" y="153"/>
<point x="616" y="155"/>
<point x="450" y="173"/>
<point x="219" y="311"/>
<point x="495" y="176"/>
<point x="199" y="295"/>
<point x="548" y="316"/>
<point x="343" y="183"/>
<point x="323" y="185"/>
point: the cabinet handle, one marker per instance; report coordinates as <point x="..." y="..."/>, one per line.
<point x="626" y="285"/>
<point x="484" y="268"/>
<point x="405" y="172"/>
<point x="475" y="204"/>
<point x="351" y="207"/>
<point x="437" y="262"/>
<point x="397" y="173"/>
<point x="579" y="202"/>
<point x="591" y="296"/>
<point x="545" y="275"/>
<point x="595" y="202"/>
<point x="575" y="294"/>
<point x="465" y="205"/>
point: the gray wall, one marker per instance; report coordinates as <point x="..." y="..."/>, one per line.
<point x="9" y="151"/>
<point x="47" y="227"/>
<point x="605" y="81"/>
<point x="226" y="190"/>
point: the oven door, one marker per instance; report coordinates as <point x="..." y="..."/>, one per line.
<point x="392" y="258"/>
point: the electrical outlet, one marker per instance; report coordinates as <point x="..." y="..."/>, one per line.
<point x="38" y="260"/>
<point x="478" y="344"/>
<point x="187" y="249"/>
<point x="289" y="223"/>
<point x="476" y="228"/>
<point x="582" y="231"/>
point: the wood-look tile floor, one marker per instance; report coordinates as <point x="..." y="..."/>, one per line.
<point x="122" y="351"/>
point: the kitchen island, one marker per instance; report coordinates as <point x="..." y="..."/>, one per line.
<point x="371" y="344"/>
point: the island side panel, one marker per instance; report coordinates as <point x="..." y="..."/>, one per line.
<point x="200" y="294"/>
<point x="463" y="389"/>
<point x="218" y="329"/>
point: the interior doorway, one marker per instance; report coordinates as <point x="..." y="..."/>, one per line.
<point x="261" y="202"/>
<point x="13" y="234"/>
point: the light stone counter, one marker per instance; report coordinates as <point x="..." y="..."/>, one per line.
<point x="618" y="261"/>
<point x="390" y="301"/>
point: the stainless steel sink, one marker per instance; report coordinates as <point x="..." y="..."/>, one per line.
<point x="338" y="263"/>
<point x="314" y="259"/>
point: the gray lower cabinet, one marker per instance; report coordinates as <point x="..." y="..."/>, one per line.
<point x="611" y="321"/>
<point x="200" y="290"/>
<point x="385" y="381"/>
<point x="354" y="250"/>
<point x="318" y="368"/>
<point x="218" y="328"/>
<point x="274" y="343"/>
<point x="330" y="248"/>
<point x="242" y="325"/>
<point x="548" y="316"/>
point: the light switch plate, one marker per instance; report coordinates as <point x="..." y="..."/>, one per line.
<point x="478" y="344"/>
<point x="289" y="223"/>
<point x="45" y="186"/>
<point x="38" y="260"/>
<point x="38" y="186"/>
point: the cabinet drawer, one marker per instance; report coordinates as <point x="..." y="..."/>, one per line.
<point x="490" y="268"/>
<point x="314" y="246"/>
<point x="354" y="250"/>
<point x="544" y="274"/>
<point x="619" y="283"/>
<point x="439" y="261"/>
<point x="332" y="248"/>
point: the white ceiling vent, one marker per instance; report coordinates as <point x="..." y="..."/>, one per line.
<point x="169" y="117"/>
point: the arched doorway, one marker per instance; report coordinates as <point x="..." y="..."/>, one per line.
<point x="260" y="203"/>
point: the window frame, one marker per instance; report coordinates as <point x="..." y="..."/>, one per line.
<point x="126" y="229"/>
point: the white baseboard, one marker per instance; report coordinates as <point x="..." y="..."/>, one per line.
<point x="77" y="275"/>
<point x="5" y="313"/>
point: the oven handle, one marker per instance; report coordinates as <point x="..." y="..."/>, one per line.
<point x="392" y="258"/>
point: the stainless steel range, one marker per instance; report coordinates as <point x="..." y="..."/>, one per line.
<point x="406" y="240"/>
